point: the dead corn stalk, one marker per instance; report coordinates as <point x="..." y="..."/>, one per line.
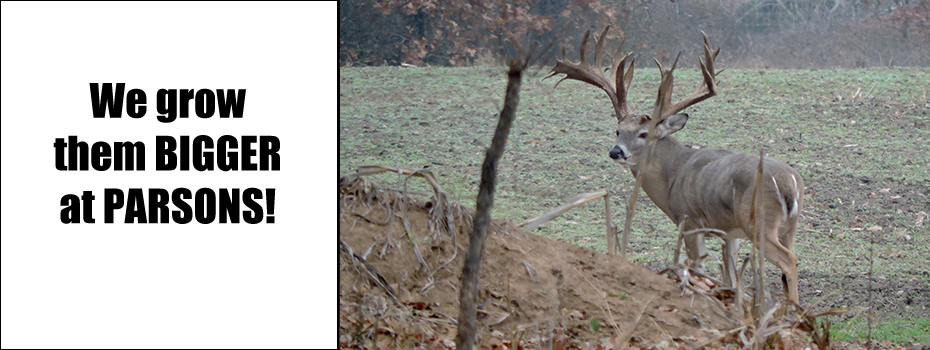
<point x="760" y="306"/>
<point x="442" y="213"/>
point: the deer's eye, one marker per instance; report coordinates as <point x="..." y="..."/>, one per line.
<point x="643" y="135"/>
<point x="618" y="132"/>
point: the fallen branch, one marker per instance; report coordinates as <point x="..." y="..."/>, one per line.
<point x="572" y="203"/>
<point x="371" y="272"/>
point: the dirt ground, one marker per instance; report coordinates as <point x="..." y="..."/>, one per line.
<point x="890" y="296"/>
<point x="532" y="288"/>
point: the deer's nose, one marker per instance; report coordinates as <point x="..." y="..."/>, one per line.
<point x="616" y="153"/>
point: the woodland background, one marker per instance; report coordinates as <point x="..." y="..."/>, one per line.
<point x="754" y="33"/>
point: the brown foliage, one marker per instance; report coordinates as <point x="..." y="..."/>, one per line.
<point x="432" y="32"/>
<point x="754" y="33"/>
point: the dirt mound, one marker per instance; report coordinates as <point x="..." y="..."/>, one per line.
<point x="531" y="288"/>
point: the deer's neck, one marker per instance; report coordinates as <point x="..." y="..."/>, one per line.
<point x="661" y="169"/>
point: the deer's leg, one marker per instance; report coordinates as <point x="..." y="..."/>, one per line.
<point x="694" y="244"/>
<point x="730" y="250"/>
<point x="787" y="236"/>
<point x="786" y="260"/>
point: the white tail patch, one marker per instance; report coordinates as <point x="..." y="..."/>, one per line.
<point x="784" y="206"/>
<point x="794" y="208"/>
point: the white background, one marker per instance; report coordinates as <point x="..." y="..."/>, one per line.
<point x="168" y="285"/>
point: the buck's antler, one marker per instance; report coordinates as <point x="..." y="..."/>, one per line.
<point x="616" y="86"/>
<point x="664" y="107"/>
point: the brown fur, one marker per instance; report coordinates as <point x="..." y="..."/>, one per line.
<point x="712" y="188"/>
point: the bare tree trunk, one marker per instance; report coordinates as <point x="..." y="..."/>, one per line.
<point x="465" y="339"/>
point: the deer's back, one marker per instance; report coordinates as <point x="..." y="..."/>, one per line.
<point x="715" y="187"/>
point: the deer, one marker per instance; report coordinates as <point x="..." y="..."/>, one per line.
<point x="696" y="188"/>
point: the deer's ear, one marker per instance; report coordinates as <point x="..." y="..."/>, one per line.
<point x="672" y="124"/>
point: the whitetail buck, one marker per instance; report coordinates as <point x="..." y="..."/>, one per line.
<point x="697" y="188"/>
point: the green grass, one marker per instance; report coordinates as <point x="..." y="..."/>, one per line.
<point x="896" y="330"/>
<point x="845" y="145"/>
<point x="559" y="143"/>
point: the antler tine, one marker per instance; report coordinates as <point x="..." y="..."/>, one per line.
<point x="582" y="71"/>
<point x="666" y="87"/>
<point x="615" y="61"/>
<point x="707" y="89"/>
<point x="628" y="76"/>
<point x="710" y="55"/>
<point x="599" y="48"/>
<point x="581" y="48"/>
<point x="620" y="76"/>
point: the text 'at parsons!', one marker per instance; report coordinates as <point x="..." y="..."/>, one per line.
<point x="154" y="206"/>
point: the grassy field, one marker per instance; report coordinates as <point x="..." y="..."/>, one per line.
<point x="860" y="138"/>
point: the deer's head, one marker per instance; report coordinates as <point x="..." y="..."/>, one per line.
<point x="634" y="131"/>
